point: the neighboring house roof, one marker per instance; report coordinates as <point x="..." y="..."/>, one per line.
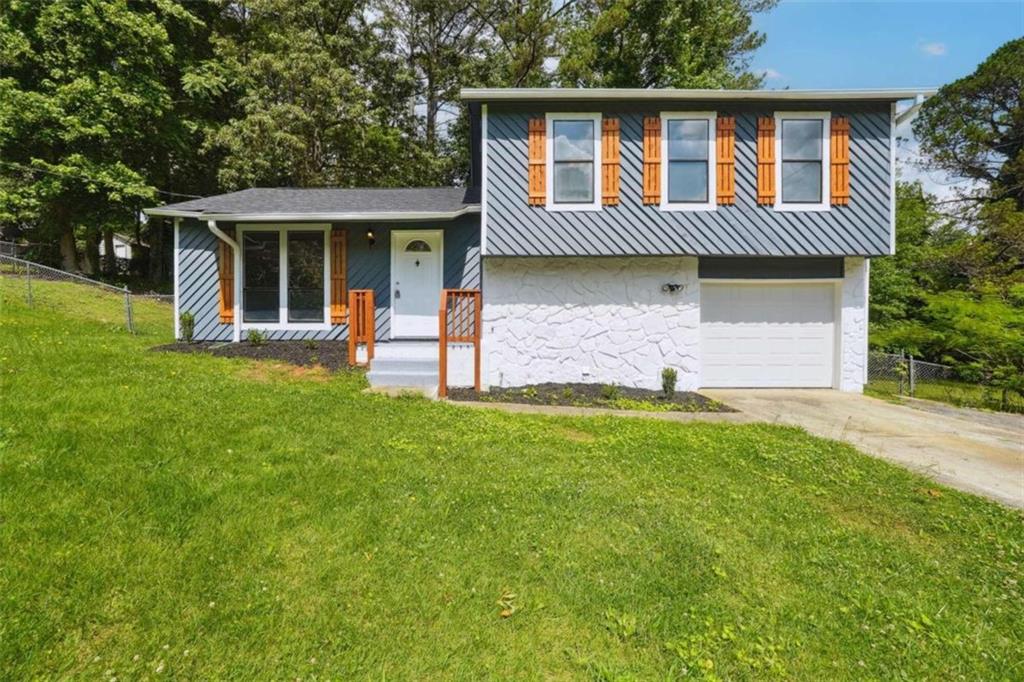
<point x="666" y="94"/>
<point x="265" y="203"/>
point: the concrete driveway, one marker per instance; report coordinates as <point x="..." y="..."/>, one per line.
<point x="977" y="451"/>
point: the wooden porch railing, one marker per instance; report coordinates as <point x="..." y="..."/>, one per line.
<point x="362" y="321"/>
<point x="459" y="322"/>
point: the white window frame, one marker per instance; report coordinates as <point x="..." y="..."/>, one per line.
<point x="712" y="203"/>
<point x="282" y="323"/>
<point x="826" y="156"/>
<point x="549" y="189"/>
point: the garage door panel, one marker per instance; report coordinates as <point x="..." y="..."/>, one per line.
<point x="767" y="334"/>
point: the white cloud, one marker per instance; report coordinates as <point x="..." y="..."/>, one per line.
<point x="771" y="74"/>
<point x="932" y="49"/>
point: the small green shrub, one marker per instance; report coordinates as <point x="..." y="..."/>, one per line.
<point x="610" y="392"/>
<point x="257" y="337"/>
<point x="187" y="326"/>
<point x="530" y="393"/>
<point x="310" y="344"/>
<point x="567" y="393"/>
<point x="668" y="382"/>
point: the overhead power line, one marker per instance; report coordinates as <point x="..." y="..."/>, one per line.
<point x="30" y="169"/>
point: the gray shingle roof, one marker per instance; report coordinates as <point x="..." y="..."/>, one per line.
<point x="269" y="201"/>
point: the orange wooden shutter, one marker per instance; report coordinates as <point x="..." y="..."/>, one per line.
<point x="840" y="145"/>
<point x="726" y="161"/>
<point x="652" y="159"/>
<point x="339" y="274"/>
<point x="610" y="161"/>
<point x="766" y="160"/>
<point x="226" y="279"/>
<point x="538" y="168"/>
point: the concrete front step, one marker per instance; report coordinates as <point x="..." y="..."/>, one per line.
<point x="392" y="365"/>
<point x="378" y="378"/>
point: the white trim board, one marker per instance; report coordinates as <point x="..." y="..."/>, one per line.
<point x="177" y="279"/>
<point x="483" y="180"/>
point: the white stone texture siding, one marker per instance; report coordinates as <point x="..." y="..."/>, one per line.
<point x="853" y="353"/>
<point x="591" y="320"/>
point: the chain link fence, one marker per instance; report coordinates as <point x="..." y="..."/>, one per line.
<point x="902" y="374"/>
<point x="28" y="276"/>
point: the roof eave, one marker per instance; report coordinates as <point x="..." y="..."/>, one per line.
<point x="663" y="94"/>
<point x="313" y="217"/>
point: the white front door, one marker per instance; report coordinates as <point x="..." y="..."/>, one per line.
<point x="767" y="335"/>
<point x="416" y="273"/>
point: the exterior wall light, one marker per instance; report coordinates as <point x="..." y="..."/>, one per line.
<point x="371" y="238"/>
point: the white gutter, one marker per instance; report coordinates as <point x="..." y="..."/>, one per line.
<point x="315" y="217"/>
<point x="635" y="94"/>
<point x="236" y="333"/>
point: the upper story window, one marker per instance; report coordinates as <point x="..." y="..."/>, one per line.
<point x="802" y="143"/>
<point x="688" y="178"/>
<point x="574" y="148"/>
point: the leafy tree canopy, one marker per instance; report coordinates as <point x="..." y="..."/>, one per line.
<point x="661" y="43"/>
<point x="974" y="127"/>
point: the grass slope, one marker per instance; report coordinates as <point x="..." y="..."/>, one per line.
<point x="203" y="517"/>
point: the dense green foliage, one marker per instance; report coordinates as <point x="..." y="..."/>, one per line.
<point x="206" y="518"/>
<point x="974" y="127"/>
<point x="954" y="291"/>
<point x="108" y="105"/>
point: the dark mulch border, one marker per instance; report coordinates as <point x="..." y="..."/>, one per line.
<point x="331" y="355"/>
<point x="592" y="395"/>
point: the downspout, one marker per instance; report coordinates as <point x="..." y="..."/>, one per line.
<point x="223" y="236"/>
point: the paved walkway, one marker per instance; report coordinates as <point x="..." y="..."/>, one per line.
<point x="974" y="450"/>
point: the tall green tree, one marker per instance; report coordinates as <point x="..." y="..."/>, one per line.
<point x="974" y="127"/>
<point x="661" y="43"/>
<point x="82" y="94"/>
<point x="324" y="100"/>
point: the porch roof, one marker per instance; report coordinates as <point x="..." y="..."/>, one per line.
<point x="270" y="204"/>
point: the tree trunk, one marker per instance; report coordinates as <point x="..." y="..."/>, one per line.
<point x="68" y="250"/>
<point x="109" y="255"/>
<point x="157" y="247"/>
<point x="91" y="260"/>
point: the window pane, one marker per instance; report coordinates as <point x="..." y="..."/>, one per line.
<point x="574" y="183"/>
<point x="262" y="267"/>
<point x="801" y="182"/>
<point x="574" y="140"/>
<point x="801" y="140"/>
<point x="688" y="181"/>
<point x="688" y="140"/>
<point x="305" y="276"/>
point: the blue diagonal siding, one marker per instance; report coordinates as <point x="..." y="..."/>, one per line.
<point x="517" y="229"/>
<point x="368" y="268"/>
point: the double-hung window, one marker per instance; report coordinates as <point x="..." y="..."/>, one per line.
<point x="802" y="149"/>
<point x="284" y="277"/>
<point x="688" y="152"/>
<point x="574" y="151"/>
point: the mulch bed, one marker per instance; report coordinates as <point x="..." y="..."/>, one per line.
<point x="332" y="355"/>
<point x="593" y="395"/>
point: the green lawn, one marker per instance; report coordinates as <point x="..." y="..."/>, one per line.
<point x="952" y="392"/>
<point x="202" y="517"/>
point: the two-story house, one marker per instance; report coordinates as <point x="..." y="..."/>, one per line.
<point x="611" y="233"/>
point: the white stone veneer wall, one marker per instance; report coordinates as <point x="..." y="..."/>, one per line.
<point x="593" y="320"/>
<point x="853" y="324"/>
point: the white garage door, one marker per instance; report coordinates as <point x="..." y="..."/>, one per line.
<point x="767" y="334"/>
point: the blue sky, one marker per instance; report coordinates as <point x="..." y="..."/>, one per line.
<point x="871" y="44"/>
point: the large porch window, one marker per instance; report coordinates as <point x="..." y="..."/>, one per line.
<point x="284" y="280"/>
